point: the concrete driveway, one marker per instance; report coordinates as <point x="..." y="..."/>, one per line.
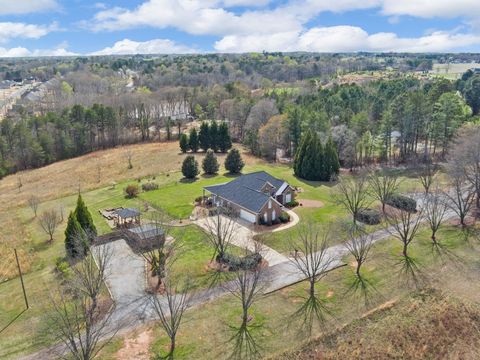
<point x="126" y="273"/>
<point x="243" y="238"/>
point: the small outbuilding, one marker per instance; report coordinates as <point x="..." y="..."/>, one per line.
<point x="126" y="217"/>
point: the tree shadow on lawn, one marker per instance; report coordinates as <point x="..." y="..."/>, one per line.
<point x="185" y="180"/>
<point x="410" y="272"/>
<point x="362" y="287"/>
<point x="316" y="184"/>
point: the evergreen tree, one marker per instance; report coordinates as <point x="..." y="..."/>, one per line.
<point x="213" y="132"/>
<point x="204" y="136"/>
<point x="84" y="217"/>
<point x="300" y="154"/>
<point x="210" y="164"/>
<point x="294" y="127"/>
<point x="74" y="246"/>
<point x="193" y="140"/>
<point x="233" y="162"/>
<point x="184" y="143"/>
<point x="224" y="140"/>
<point x="332" y="164"/>
<point x="190" y="167"/>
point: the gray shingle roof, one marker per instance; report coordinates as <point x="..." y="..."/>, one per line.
<point x="127" y="213"/>
<point x="246" y="190"/>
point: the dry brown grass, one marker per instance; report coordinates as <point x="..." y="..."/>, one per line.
<point x="425" y="325"/>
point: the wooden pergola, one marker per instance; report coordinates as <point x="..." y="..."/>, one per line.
<point x="127" y="217"/>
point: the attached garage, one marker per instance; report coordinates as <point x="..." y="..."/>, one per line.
<point x="248" y="216"/>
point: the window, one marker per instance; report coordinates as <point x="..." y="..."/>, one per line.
<point x="269" y="204"/>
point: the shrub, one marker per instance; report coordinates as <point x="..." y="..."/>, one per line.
<point x="236" y="263"/>
<point x="149" y="186"/>
<point x="198" y="199"/>
<point x="402" y="202"/>
<point x="284" y="217"/>
<point x="131" y="191"/>
<point x="292" y="204"/>
<point x="62" y="267"/>
<point x="369" y="216"/>
<point x="190" y="167"/>
<point x="184" y="146"/>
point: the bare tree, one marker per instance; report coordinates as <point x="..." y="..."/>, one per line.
<point x="34" y="202"/>
<point x="435" y="209"/>
<point x="246" y="288"/>
<point x="129" y="156"/>
<point x="382" y="186"/>
<point x="352" y="194"/>
<point x="359" y="245"/>
<point x="460" y="198"/>
<point x="49" y="221"/>
<point x="77" y="319"/>
<point x="170" y="309"/>
<point x="313" y="261"/>
<point x="404" y="226"/>
<point x="221" y="230"/>
<point x="154" y="248"/>
<point x="427" y="176"/>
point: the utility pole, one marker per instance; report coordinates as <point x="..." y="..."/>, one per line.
<point x="21" y="279"/>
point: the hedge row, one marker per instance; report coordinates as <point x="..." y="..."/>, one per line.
<point x="369" y="216"/>
<point x="236" y="263"/>
<point x="402" y="202"/>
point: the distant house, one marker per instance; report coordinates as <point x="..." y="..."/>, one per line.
<point x="257" y="197"/>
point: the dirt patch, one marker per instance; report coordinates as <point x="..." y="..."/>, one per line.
<point x="307" y="203"/>
<point x="136" y="346"/>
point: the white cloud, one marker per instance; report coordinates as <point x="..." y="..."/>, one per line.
<point x="11" y="30"/>
<point x="156" y="46"/>
<point x="432" y="8"/>
<point x="19" y="51"/>
<point x="345" y="39"/>
<point x="17" y="7"/>
<point x="231" y="3"/>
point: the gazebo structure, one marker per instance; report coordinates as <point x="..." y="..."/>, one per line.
<point x="126" y="217"/>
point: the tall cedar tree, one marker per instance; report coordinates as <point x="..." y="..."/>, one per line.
<point x="84" y="217"/>
<point x="204" y="136"/>
<point x="233" y="162"/>
<point x="193" y="140"/>
<point x="190" y="167"/>
<point x="300" y="154"/>
<point x="223" y="139"/>
<point x="184" y="143"/>
<point x="332" y="163"/>
<point x="72" y="235"/>
<point x="210" y="164"/>
<point x="213" y="132"/>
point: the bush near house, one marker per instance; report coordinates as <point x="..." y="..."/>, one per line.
<point x="284" y="217"/>
<point x="369" y="216"/>
<point x="292" y="204"/>
<point x="402" y="202"/>
<point x="248" y="262"/>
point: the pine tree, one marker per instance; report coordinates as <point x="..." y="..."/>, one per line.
<point x="193" y="140"/>
<point x="224" y="140"/>
<point x="73" y="233"/>
<point x="210" y="164"/>
<point x="233" y="162"/>
<point x="204" y="136"/>
<point x="213" y="132"/>
<point x="190" y="167"/>
<point x="84" y="217"/>
<point x="184" y="143"/>
<point x="300" y="154"/>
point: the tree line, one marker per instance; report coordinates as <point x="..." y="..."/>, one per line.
<point x="210" y="136"/>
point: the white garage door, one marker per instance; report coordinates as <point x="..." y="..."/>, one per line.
<point x="288" y="198"/>
<point x="247" y="216"/>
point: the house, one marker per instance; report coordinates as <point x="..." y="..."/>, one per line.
<point x="256" y="197"/>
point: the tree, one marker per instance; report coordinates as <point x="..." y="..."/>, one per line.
<point x="461" y="197"/>
<point x="34" y="202"/>
<point x="359" y="245"/>
<point x="472" y="93"/>
<point x="435" y="208"/>
<point x="184" y="143"/>
<point x="75" y="245"/>
<point x="193" y="140"/>
<point x="427" y="176"/>
<point x="132" y="191"/>
<point x="382" y="186"/>
<point x="169" y="310"/>
<point x="190" y="167"/>
<point x="49" y="221"/>
<point x="332" y="164"/>
<point x="76" y="317"/>
<point x="129" y="156"/>
<point x="404" y="226"/>
<point x="210" y="164"/>
<point x="313" y="261"/>
<point x="214" y="136"/>
<point x="204" y="136"/>
<point x="352" y="194"/>
<point x="224" y="140"/>
<point x="233" y="162"/>
<point x="84" y="217"/>
<point x="221" y="229"/>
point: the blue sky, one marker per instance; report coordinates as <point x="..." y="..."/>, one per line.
<point x="69" y="27"/>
